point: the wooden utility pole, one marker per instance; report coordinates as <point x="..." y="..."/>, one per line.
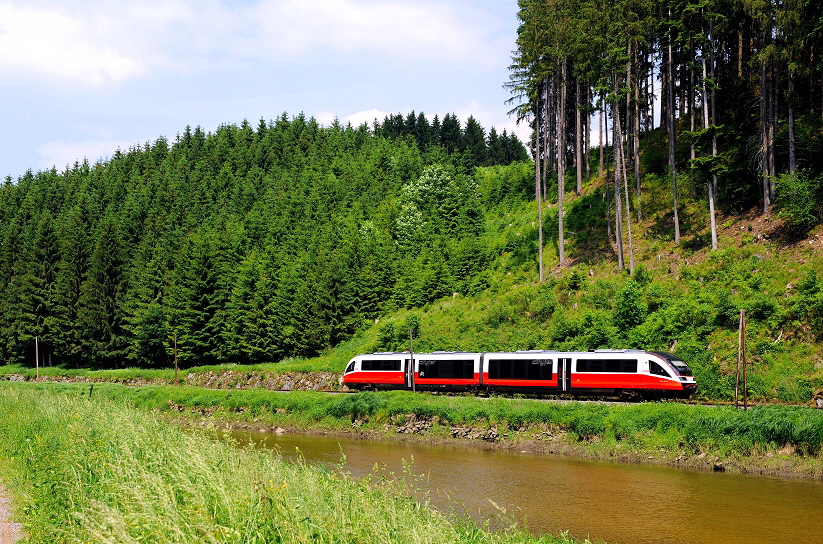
<point x="176" y="381"/>
<point x="411" y="360"/>
<point x="743" y="353"/>
<point x="37" y="356"/>
<point x="741" y="359"/>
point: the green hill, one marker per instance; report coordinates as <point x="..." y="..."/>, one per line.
<point x="293" y="240"/>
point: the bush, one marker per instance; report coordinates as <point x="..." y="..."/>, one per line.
<point x="630" y="310"/>
<point x="799" y="199"/>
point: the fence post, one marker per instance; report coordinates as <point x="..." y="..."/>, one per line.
<point x="176" y="380"/>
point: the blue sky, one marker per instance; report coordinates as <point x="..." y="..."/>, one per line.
<point x="84" y="78"/>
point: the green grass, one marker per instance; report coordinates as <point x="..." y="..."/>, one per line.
<point x="98" y="470"/>
<point x="691" y="429"/>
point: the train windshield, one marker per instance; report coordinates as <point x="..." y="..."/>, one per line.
<point x="681" y="367"/>
<point x="350" y="368"/>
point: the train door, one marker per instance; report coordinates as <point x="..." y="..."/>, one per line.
<point x="409" y="367"/>
<point x="564" y="374"/>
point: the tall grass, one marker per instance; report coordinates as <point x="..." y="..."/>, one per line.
<point x="98" y="470"/>
<point x="690" y="428"/>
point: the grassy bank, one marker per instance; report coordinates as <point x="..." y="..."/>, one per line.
<point x="767" y="439"/>
<point x="98" y="470"/>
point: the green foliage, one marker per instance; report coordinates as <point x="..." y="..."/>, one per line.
<point x="629" y="309"/>
<point x="357" y="406"/>
<point x="800" y="199"/>
<point x="641" y="275"/>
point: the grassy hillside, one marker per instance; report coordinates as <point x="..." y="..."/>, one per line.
<point x="684" y="298"/>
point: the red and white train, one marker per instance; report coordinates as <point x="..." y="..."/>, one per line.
<point x="628" y="373"/>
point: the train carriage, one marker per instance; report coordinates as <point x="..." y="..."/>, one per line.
<point x="649" y="374"/>
<point x="521" y="371"/>
<point x="384" y="370"/>
<point x="447" y="370"/>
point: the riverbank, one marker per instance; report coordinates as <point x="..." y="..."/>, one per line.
<point x="99" y="470"/>
<point x="539" y="439"/>
<point x="768" y="440"/>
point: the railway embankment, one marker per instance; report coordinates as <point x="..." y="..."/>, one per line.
<point x="209" y="379"/>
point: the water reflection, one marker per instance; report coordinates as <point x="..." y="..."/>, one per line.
<point x="617" y="503"/>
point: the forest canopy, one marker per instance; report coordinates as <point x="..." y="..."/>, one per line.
<point x="245" y="245"/>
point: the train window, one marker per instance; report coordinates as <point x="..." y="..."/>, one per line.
<point x="350" y="368"/>
<point x="455" y="369"/>
<point x="658" y="370"/>
<point x="607" y="365"/>
<point x="520" y="369"/>
<point x="380" y="364"/>
<point x="682" y="368"/>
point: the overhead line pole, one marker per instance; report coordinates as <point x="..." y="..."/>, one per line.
<point x="411" y="360"/>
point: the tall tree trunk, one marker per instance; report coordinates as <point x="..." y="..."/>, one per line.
<point x="629" y="141"/>
<point x="711" y="183"/>
<point x="772" y="129"/>
<point x="664" y="91"/>
<point x="561" y="165"/>
<point x="587" y="134"/>
<point x="621" y="166"/>
<point x="618" y="215"/>
<point x="637" y="135"/>
<point x="740" y="52"/>
<point x="792" y="143"/>
<point x="672" y="164"/>
<point x="537" y="187"/>
<point x="600" y="129"/>
<point x="692" y="99"/>
<point x="578" y="141"/>
<point x="608" y="175"/>
<point x="764" y="138"/>
<point x="650" y="100"/>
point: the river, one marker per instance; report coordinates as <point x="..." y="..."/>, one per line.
<point x="613" y="502"/>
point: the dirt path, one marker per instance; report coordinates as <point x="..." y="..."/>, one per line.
<point x="9" y="532"/>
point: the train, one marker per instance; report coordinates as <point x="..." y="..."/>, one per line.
<point x="604" y="372"/>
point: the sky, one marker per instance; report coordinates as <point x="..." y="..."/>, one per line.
<point x="80" y="79"/>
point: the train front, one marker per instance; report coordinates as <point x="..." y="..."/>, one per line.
<point x="682" y="373"/>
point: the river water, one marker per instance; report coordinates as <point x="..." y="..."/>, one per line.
<point x="615" y="503"/>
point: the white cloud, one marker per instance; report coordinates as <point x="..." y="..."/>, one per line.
<point x="406" y="29"/>
<point x="367" y="116"/>
<point x="102" y="43"/>
<point x="59" y="154"/>
<point x="61" y="46"/>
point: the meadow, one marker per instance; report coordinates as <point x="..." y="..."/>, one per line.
<point x="99" y="470"/>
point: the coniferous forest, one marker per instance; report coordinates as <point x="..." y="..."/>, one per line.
<point x="725" y="94"/>
<point x="243" y="245"/>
